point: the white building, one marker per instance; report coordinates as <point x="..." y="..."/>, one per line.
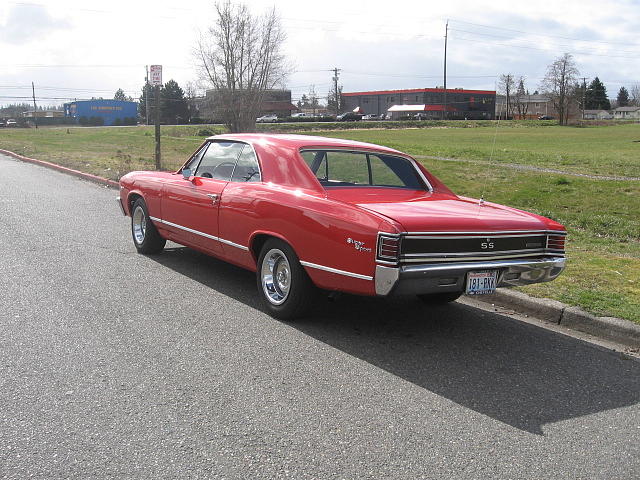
<point x="626" y="113"/>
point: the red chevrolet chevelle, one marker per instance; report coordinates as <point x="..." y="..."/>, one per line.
<point x="306" y="212"/>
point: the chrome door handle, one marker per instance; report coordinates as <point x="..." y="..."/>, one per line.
<point x="213" y="197"/>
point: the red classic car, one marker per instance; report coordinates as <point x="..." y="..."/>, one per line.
<point x="306" y="212"/>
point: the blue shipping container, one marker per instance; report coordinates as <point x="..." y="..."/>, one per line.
<point x="108" y="110"/>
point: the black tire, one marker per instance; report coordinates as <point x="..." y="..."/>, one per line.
<point x="439" y="298"/>
<point x="145" y="235"/>
<point x="290" y="297"/>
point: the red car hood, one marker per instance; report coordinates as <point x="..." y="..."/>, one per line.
<point x="418" y="212"/>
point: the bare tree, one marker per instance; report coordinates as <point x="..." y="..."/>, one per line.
<point x="559" y="83"/>
<point x="506" y="86"/>
<point x="521" y="99"/>
<point x="635" y="95"/>
<point x="240" y="57"/>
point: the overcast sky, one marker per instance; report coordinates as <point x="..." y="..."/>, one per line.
<point x="84" y="48"/>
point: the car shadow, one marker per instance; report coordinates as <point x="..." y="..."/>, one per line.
<point x="520" y="374"/>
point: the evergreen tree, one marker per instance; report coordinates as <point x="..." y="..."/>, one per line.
<point x="596" y="96"/>
<point x="120" y="95"/>
<point x="623" y="97"/>
<point x="173" y="105"/>
<point x="147" y="95"/>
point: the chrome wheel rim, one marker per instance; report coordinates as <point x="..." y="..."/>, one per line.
<point x="139" y="224"/>
<point x="276" y="276"/>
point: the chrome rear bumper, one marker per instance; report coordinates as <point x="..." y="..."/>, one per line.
<point x="119" y="202"/>
<point x="451" y="277"/>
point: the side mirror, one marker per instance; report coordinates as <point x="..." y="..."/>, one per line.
<point x="186" y="173"/>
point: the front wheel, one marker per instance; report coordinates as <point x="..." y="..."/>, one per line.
<point x="439" y="298"/>
<point x="145" y="235"/>
<point x="284" y="285"/>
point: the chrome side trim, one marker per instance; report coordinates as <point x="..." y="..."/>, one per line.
<point x="119" y="202"/>
<point x="335" y="270"/>
<point x="228" y="242"/>
<point x="206" y="235"/>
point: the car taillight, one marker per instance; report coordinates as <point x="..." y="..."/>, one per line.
<point x="388" y="248"/>
<point x="556" y="242"/>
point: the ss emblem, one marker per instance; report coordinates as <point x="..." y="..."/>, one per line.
<point x="488" y="245"/>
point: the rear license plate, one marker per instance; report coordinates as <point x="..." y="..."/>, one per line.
<point x="481" y="283"/>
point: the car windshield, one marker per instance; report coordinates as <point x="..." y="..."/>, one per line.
<point x="337" y="168"/>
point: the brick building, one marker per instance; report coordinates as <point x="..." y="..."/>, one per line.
<point x="461" y="103"/>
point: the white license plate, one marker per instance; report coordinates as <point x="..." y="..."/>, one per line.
<point x="481" y="283"/>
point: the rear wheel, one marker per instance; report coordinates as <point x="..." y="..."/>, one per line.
<point x="284" y="285"/>
<point x="439" y="298"/>
<point x="145" y="235"/>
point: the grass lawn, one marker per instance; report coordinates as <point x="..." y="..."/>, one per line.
<point x="611" y="150"/>
<point x="603" y="217"/>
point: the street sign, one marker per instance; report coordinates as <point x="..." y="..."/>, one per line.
<point x="156" y="75"/>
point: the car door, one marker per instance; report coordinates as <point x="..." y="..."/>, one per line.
<point x="190" y="206"/>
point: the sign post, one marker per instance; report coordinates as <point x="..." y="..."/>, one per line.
<point x="156" y="81"/>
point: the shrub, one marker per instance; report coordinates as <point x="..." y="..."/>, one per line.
<point x="117" y="122"/>
<point x="204" y="132"/>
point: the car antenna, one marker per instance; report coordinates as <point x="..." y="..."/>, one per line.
<point x="493" y="147"/>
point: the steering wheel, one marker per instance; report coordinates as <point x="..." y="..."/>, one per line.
<point x="223" y="165"/>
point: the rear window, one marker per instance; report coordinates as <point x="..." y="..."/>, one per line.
<point x="337" y="168"/>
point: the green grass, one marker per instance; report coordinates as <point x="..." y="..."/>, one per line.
<point x="611" y="150"/>
<point x="602" y="217"/>
<point x="108" y="152"/>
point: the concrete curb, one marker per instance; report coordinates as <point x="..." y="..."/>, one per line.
<point x="60" y="168"/>
<point x="609" y="328"/>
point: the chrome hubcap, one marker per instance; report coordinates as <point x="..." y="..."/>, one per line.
<point x="139" y="224"/>
<point x="276" y="276"/>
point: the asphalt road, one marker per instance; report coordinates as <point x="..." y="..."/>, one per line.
<point x="117" y="365"/>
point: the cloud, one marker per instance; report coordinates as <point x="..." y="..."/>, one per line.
<point x="29" y="23"/>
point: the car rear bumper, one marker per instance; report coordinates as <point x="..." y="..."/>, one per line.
<point x="119" y="202"/>
<point x="451" y="277"/>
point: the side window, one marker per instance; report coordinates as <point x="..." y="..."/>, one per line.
<point x="247" y="169"/>
<point x="347" y="167"/>
<point x="219" y="160"/>
<point x="193" y="163"/>
<point x="382" y="174"/>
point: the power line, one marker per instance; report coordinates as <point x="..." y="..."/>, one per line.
<point x="520" y="40"/>
<point x="493" y="27"/>
<point x="576" y="52"/>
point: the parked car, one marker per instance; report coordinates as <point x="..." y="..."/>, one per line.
<point x="370" y="116"/>
<point x="267" y="119"/>
<point x="307" y="212"/>
<point x="11" y="123"/>
<point x="545" y="117"/>
<point x="303" y="115"/>
<point x="349" y="117"/>
<point x="421" y="116"/>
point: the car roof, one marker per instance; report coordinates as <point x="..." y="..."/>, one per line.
<point x="302" y="141"/>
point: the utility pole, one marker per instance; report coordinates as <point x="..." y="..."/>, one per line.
<point x="146" y="92"/>
<point x="35" y="110"/>
<point x="335" y="85"/>
<point x="158" y="164"/>
<point x="508" y="91"/>
<point x="446" y="35"/>
<point x="584" y="94"/>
